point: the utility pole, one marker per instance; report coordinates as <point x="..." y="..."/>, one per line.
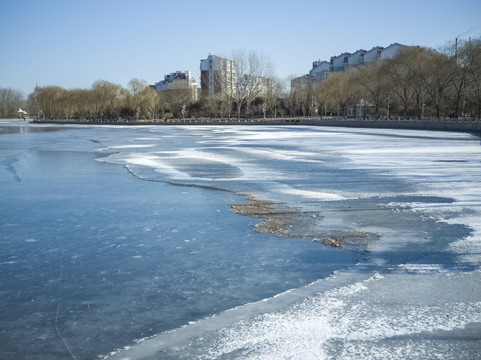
<point x="456" y="50"/>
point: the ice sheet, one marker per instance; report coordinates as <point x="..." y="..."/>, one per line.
<point x="415" y="293"/>
<point x="410" y="310"/>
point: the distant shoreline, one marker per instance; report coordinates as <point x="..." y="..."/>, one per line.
<point x="463" y="125"/>
<point x="457" y="125"/>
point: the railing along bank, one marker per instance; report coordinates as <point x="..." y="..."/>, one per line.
<point x="446" y="124"/>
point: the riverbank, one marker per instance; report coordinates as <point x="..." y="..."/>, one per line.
<point x="463" y="125"/>
<point x="15" y="120"/>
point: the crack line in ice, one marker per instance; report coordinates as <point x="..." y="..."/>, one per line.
<point x="59" y="300"/>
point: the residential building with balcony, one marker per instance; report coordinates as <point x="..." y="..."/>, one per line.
<point x="361" y="57"/>
<point x="355" y="59"/>
<point x="372" y="55"/>
<point x="321" y="69"/>
<point x="338" y="63"/>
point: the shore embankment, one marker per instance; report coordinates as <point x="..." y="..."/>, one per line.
<point x="461" y="124"/>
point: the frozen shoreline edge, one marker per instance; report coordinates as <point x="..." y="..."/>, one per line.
<point x="452" y="125"/>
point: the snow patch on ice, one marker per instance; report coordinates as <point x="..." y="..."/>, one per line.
<point x="350" y="320"/>
<point x="422" y="268"/>
<point x="318" y="195"/>
<point x="131" y="146"/>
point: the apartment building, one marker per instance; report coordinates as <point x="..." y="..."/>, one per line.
<point x="372" y="55"/>
<point x="361" y="57"/>
<point x="179" y="80"/>
<point x="217" y="76"/>
<point x="321" y="69"/>
<point x="339" y="62"/>
<point x="355" y="59"/>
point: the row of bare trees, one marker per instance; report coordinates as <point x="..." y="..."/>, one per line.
<point x="10" y="102"/>
<point x="104" y="100"/>
<point x="108" y="101"/>
<point x="417" y="82"/>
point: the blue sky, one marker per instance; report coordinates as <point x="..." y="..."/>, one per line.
<point x="74" y="43"/>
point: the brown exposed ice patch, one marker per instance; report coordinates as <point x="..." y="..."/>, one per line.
<point x="284" y="221"/>
<point x="351" y="238"/>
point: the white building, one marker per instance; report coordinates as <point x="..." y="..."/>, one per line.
<point x="360" y="57"/>
<point x="319" y="70"/>
<point x="338" y="63"/>
<point x="372" y="55"/>
<point x="355" y="59"/>
<point x="180" y="80"/>
<point x="391" y="51"/>
<point x="217" y="76"/>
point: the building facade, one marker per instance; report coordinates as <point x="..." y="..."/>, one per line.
<point x="338" y="63"/>
<point x="355" y="59"/>
<point x="217" y="76"/>
<point x="180" y="80"/>
<point x="372" y="55"/>
<point x="361" y="57"/>
<point x="300" y="82"/>
<point x="391" y="51"/>
<point x="321" y="69"/>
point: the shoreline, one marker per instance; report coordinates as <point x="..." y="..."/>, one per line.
<point x="458" y="125"/>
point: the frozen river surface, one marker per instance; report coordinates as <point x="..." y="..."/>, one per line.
<point x="120" y="243"/>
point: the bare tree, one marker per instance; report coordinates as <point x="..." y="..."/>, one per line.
<point x="473" y="89"/>
<point x="273" y="95"/>
<point x="401" y="83"/>
<point x="80" y="100"/>
<point x="342" y="90"/>
<point x="466" y="81"/>
<point x="135" y="87"/>
<point x="142" y="99"/>
<point x="320" y="96"/>
<point x="174" y="100"/>
<point x="254" y="78"/>
<point x="436" y="72"/>
<point x="374" y="85"/>
<point x="300" y="98"/>
<point x="10" y="102"/>
<point x="49" y="101"/>
<point x="106" y="97"/>
<point x="163" y="103"/>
